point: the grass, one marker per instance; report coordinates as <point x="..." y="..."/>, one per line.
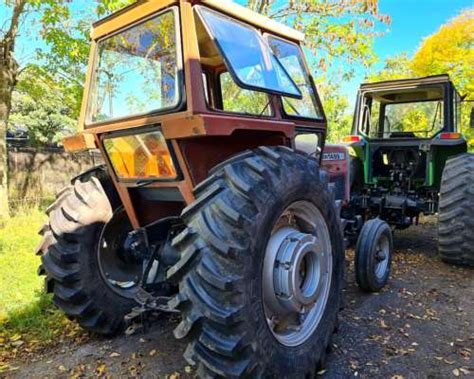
<point x="19" y="282"/>
<point x="28" y="320"/>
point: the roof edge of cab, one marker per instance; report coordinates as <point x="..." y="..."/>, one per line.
<point x="143" y="8"/>
<point x="254" y="18"/>
<point x="434" y="79"/>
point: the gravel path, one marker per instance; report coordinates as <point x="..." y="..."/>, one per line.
<point x="421" y="326"/>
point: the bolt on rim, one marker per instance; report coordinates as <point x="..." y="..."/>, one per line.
<point x="297" y="272"/>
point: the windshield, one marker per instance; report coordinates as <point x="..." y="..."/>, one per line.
<point x="384" y="118"/>
<point x="136" y="70"/>
<point x="247" y="56"/>
<point x="291" y="58"/>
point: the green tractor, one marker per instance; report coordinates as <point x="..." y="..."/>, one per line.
<point x="406" y="156"/>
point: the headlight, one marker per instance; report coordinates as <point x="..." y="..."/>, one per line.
<point x="142" y="155"/>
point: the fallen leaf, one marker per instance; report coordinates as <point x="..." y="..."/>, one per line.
<point x="114" y="355"/>
<point x="456" y="372"/>
<point x="101" y="369"/>
<point x="15" y="337"/>
<point x="152" y="353"/>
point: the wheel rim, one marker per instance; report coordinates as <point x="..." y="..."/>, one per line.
<point x="297" y="273"/>
<point x="119" y="271"/>
<point x="382" y="256"/>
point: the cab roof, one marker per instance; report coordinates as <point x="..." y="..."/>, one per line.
<point x="143" y="8"/>
<point x="434" y="79"/>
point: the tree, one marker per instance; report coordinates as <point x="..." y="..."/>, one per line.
<point x="396" y="67"/>
<point x="336" y="108"/>
<point x="335" y="29"/>
<point x="66" y="52"/>
<point x="450" y="50"/>
<point x="40" y="107"/>
<point x="8" y="80"/>
<point x="447" y="51"/>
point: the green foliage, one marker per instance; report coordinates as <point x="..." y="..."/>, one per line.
<point x="342" y="29"/>
<point x="239" y="100"/>
<point x="336" y="107"/>
<point x="39" y="107"/>
<point x="396" y="67"/>
<point x="59" y="65"/>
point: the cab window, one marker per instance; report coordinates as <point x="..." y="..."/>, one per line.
<point x="291" y="58"/>
<point x="239" y="100"/>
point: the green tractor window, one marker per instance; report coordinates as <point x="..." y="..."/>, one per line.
<point x="417" y="114"/>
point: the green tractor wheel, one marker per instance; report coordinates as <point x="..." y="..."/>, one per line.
<point x="456" y="211"/>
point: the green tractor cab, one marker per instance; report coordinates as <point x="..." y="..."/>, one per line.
<point x="406" y="156"/>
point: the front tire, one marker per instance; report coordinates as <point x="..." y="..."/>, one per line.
<point x="373" y="255"/>
<point x="456" y="211"/>
<point x="80" y="218"/>
<point x="238" y="214"/>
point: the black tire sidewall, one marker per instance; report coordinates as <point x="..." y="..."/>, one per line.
<point x="365" y="255"/>
<point x="280" y="358"/>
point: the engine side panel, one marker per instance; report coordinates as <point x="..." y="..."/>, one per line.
<point x="337" y="162"/>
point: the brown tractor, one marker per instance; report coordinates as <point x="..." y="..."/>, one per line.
<point x="204" y="207"/>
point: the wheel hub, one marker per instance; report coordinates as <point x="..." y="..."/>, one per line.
<point x="381" y="255"/>
<point x="297" y="273"/>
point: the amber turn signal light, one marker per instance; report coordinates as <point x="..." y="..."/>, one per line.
<point x="450" y="136"/>
<point x="138" y="156"/>
<point x="352" y="139"/>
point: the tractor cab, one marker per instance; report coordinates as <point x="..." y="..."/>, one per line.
<point x="407" y="129"/>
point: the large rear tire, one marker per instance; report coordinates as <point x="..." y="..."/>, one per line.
<point x="456" y="211"/>
<point x="254" y="218"/>
<point x="79" y="247"/>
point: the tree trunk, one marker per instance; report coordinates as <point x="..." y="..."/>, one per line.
<point x="8" y="80"/>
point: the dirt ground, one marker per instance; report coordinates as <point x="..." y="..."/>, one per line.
<point x="421" y="326"/>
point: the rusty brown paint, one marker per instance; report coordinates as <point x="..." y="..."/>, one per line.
<point x="200" y="135"/>
<point x="79" y="142"/>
